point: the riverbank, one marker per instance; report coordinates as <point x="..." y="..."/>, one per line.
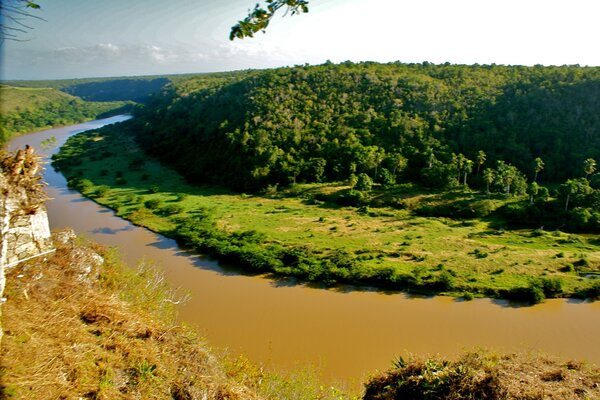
<point x="299" y="233"/>
<point x="81" y="324"/>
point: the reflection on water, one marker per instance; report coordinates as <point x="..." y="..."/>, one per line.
<point x="347" y="332"/>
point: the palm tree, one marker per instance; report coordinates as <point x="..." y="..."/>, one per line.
<point x="488" y="176"/>
<point x="468" y="167"/>
<point x="481" y="157"/>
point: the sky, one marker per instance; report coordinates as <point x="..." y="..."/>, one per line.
<point x="97" y="38"/>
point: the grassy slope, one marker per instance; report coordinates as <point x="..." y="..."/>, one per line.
<point x="110" y="333"/>
<point x="23" y="110"/>
<point x="14" y="98"/>
<point x="482" y="260"/>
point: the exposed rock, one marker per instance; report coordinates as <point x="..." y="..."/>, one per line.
<point x="24" y="228"/>
<point x="64" y="237"/>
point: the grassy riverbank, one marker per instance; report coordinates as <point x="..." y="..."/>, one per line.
<point x="81" y="324"/>
<point x="304" y="231"/>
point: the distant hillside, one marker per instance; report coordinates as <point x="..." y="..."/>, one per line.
<point x="24" y="110"/>
<point x="135" y="89"/>
<point x="328" y="122"/>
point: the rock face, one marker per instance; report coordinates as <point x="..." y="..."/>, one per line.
<point x="24" y="229"/>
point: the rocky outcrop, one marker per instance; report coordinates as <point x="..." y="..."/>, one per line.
<point x="24" y="228"/>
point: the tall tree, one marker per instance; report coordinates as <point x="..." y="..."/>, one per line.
<point x="488" y="176"/>
<point x="467" y="168"/>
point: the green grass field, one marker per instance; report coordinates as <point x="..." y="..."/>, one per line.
<point x="386" y="245"/>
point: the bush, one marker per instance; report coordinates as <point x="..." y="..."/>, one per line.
<point x="385" y="178"/>
<point x="352" y="198"/>
<point x="152" y="204"/>
<point x="153" y="189"/>
<point x="552" y="287"/>
<point x="171" y="209"/>
<point x="81" y="185"/>
<point x="102" y="191"/>
<point x="468" y="296"/>
<point x="364" y="183"/>
<point x="532" y="294"/>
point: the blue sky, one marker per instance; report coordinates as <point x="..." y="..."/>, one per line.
<point x="88" y="38"/>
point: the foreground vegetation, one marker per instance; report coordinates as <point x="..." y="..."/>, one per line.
<point x="80" y="324"/>
<point x="485" y="375"/>
<point x="318" y="233"/>
<point x="24" y="110"/>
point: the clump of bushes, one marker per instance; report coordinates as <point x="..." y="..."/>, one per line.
<point x="152" y="204"/>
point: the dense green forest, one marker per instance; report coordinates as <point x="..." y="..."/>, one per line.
<point x="331" y="121"/>
<point x="24" y="110"/>
<point x="510" y="129"/>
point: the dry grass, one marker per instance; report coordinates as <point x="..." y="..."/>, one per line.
<point x="484" y="375"/>
<point x="80" y="326"/>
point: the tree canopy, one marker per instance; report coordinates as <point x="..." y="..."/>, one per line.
<point x="329" y="122"/>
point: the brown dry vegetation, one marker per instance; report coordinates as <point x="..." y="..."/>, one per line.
<point x="483" y="375"/>
<point x="81" y="325"/>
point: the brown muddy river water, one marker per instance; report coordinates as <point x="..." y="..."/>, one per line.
<point x="346" y="333"/>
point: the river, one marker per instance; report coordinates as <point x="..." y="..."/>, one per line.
<point x="345" y="333"/>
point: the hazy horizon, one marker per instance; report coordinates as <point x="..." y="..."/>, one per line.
<point x="113" y="38"/>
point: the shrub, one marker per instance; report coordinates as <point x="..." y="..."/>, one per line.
<point x="552" y="287"/>
<point x="81" y="185"/>
<point x="182" y="196"/>
<point x="385" y="177"/>
<point x="152" y="204"/>
<point x="132" y="198"/>
<point x="364" y="183"/>
<point x="531" y="294"/>
<point x="153" y="189"/>
<point x="568" y="268"/>
<point x="468" y="296"/>
<point x="102" y="191"/>
<point x="171" y="209"/>
<point x="352" y="198"/>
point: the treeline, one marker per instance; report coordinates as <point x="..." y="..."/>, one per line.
<point x="402" y="122"/>
<point x="26" y="110"/>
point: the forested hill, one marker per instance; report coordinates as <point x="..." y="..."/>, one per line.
<point x="136" y="88"/>
<point x="328" y="122"/>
